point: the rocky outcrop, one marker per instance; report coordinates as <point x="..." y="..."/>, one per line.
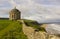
<point x="33" y="34"/>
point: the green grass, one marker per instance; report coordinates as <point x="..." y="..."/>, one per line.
<point x="11" y="30"/>
<point x="35" y="25"/>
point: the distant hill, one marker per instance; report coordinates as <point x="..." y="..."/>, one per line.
<point x="4" y="18"/>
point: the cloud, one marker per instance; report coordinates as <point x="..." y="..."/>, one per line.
<point x="32" y="9"/>
<point x="48" y="2"/>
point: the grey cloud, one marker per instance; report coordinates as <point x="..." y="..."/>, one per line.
<point x="48" y="2"/>
<point x="31" y="10"/>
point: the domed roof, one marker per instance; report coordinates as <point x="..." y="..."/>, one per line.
<point x="15" y="10"/>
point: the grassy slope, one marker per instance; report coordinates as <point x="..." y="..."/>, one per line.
<point x="11" y="30"/>
<point x="35" y="25"/>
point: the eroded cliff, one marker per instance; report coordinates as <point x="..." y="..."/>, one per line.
<point x="34" y="34"/>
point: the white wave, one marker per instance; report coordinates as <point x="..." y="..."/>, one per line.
<point x="53" y="28"/>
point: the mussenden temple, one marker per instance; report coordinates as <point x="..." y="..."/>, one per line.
<point x="14" y="14"/>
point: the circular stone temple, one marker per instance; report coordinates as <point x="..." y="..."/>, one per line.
<point x="15" y="14"/>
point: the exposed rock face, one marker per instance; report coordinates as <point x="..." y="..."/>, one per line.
<point x="32" y="34"/>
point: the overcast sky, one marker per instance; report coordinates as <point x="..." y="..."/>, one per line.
<point x="32" y="9"/>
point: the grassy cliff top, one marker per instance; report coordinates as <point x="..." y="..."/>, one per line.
<point x="11" y="30"/>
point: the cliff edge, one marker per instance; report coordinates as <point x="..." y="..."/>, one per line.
<point x="35" y="34"/>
